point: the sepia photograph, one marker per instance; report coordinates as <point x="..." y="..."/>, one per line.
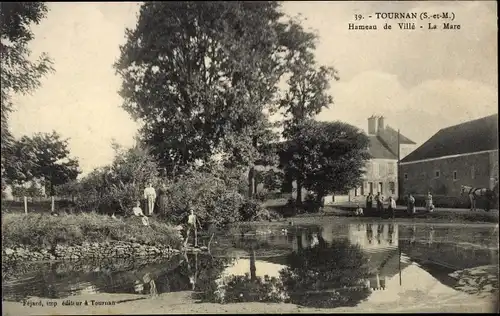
<point x="249" y="157"/>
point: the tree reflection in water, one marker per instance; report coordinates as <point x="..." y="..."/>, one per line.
<point x="326" y="275"/>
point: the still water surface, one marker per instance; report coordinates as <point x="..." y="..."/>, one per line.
<point x="321" y="265"/>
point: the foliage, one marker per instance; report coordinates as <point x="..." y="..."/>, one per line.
<point x="328" y="275"/>
<point x="44" y="157"/>
<point x="116" y="187"/>
<point x="252" y="210"/>
<point x="18" y="73"/>
<point x="31" y="191"/>
<point x="208" y="194"/>
<point x="271" y="179"/>
<point x="307" y="94"/>
<point x="130" y="172"/>
<point x="203" y="76"/>
<point x="42" y="231"/>
<point x="326" y="156"/>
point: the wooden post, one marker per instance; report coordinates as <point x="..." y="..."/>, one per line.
<point x="25" y="205"/>
<point x="52" y="206"/>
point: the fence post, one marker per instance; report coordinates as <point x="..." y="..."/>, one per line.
<point x="52" y="204"/>
<point x="25" y="205"/>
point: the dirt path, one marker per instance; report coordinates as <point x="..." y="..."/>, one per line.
<point x="181" y="302"/>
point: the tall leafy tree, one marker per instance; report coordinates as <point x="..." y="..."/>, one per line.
<point x="326" y="156"/>
<point x="18" y="73"/>
<point x="46" y="157"/>
<point x="308" y="89"/>
<point x="201" y="75"/>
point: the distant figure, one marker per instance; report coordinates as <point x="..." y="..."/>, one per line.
<point x="392" y="207"/>
<point x="380" y="203"/>
<point x="369" y="203"/>
<point x="359" y="210"/>
<point x="428" y="203"/>
<point x="138" y="212"/>
<point x="411" y="205"/>
<point x="150" y="197"/>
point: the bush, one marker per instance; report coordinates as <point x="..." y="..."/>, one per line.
<point x="213" y="200"/>
<point x="249" y="210"/>
<point x="252" y="210"/>
<point x="42" y="231"/>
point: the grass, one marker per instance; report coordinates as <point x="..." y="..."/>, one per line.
<point x="43" y="230"/>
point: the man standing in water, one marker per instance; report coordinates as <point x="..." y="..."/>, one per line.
<point x="150" y="197"/>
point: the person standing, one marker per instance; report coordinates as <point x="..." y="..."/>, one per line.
<point x="150" y="197"/>
<point x="192" y="223"/>
<point x="380" y="204"/>
<point x="369" y="203"/>
<point x="428" y="202"/>
<point x="411" y="205"/>
<point x="392" y="207"/>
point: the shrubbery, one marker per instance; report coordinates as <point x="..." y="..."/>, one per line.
<point x="214" y="193"/>
<point x="42" y="230"/>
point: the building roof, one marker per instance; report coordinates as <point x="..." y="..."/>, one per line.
<point x="379" y="150"/>
<point x="468" y="137"/>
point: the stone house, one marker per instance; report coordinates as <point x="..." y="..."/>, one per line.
<point x="381" y="170"/>
<point x="463" y="154"/>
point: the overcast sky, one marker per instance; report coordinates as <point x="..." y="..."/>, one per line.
<point x="419" y="80"/>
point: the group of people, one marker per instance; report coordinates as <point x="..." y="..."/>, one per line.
<point x="379" y="203"/>
<point x="150" y="197"/>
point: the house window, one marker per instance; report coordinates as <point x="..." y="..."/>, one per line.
<point x="437" y="174"/>
<point x="376" y="171"/>
<point x="392" y="187"/>
<point x="391" y="168"/>
<point x="380" y="188"/>
<point x="455" y="175"/>
<point x="370" y="187"/>
<point x="406" y="176"/>
<point x="472" y="172"/>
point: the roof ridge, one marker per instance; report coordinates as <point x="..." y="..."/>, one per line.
<point x="471" y="121"/>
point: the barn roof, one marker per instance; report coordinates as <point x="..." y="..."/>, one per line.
<point x="468" y="137"/>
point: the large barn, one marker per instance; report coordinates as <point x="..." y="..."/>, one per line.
<point x="463" y="154"/>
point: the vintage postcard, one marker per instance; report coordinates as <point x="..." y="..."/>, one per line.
<point x="186" y="157"/>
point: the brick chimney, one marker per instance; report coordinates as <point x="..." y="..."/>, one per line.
<point x="381" y="125"/>
<point x="372" y="125"/>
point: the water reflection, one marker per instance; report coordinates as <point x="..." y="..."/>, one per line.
<point x="321" y="266"/>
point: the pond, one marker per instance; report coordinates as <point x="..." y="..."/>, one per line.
<point x="359" y="263"/>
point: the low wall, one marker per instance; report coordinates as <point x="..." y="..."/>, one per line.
<point x="87" y="250"/>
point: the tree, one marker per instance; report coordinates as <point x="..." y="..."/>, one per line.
<point x="44" y="157"/>
<point x="326" y="156"/>
<point x="18" y="73"/>
<point x="307" y="93"/>
<point x="203" y="77"/>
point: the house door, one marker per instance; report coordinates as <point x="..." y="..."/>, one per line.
<point x="380" y="187"/>
<point x="370" y="187"/>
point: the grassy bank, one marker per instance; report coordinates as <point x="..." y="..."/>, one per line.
<point x="43" y="230"/>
